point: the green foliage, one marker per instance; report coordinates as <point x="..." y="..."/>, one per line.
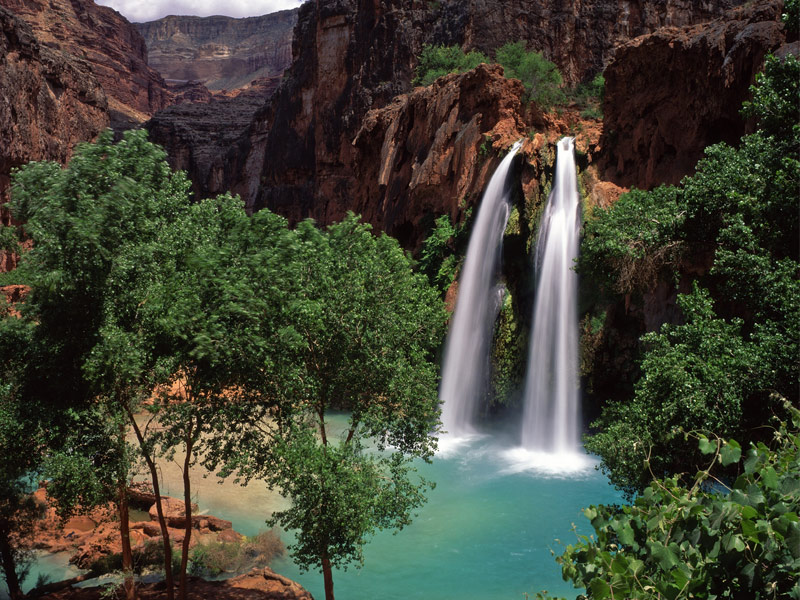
<point x="791" y="16"/>
<point x="509" y="344"/>
<point x="680" y="541"/>
<point x="741" y="335"/>
<point x="441" y="250"/>
<point x="340" y="322"/>
<point x="541" y="78"/>
<point x="437" y="61"/>
<point x="687" y="372"/>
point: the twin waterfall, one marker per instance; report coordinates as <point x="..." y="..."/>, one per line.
<point x="550" y="422"/>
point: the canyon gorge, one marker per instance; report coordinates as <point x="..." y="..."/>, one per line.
<point x="316" y="113"/>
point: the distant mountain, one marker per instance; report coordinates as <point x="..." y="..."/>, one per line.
<point x="220" y="52"/>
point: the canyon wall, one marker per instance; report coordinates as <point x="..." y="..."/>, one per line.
<point x="221" y="52"/>
<point x="670" y="94"/>
<point x="580" y="37"/>
<point x="115" y="51"/>
<point x="49" y="101"/>
<point x="353" y="56"/>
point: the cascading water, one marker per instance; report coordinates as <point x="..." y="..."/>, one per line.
<point x="551" y="414"/>
<point x="466" y="354"/>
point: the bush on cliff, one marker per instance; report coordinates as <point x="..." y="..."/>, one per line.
<point x="437" y="61"/>
<point x="541" y="78"/>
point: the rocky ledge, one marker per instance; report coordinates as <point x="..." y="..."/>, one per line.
<point x="661" y="111"/>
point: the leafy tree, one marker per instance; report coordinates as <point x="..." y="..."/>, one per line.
<point x="704" y="538"/>
<point x="352" y="328"/>
<point x="541" y="78"/>
<point x="437" y="61"/>
<point x="95" y="227"/>
<point x="20" y="437"/>
<point x="739" y="343"/>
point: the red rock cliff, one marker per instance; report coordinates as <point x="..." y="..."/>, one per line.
<point x="353" y="56"/>
<point x="670" y="94"/>
<point x="109" y="43"/>
<point x="49" y="101"/>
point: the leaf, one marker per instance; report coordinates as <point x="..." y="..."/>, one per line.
<point x="665" y="557"/>
<point x="600" y="589"/>
<point x="770" y="478"/>
<point x="730" y="453"/>
<point x="706" y="446"/>
<point x="625" y="535"/>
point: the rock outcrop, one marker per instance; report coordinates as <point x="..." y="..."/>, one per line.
<point x="580" y="37"/>
<point x="656" y="127"/>
<point x="221" y="52"/>
<point x="430" y="152"/>
<point x="197" y="136"/>
<point x="49" y="101"/>
<point x="89" y="537"/>
<point x="113" y="48"/>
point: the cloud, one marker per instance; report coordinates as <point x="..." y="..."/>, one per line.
<point x="139" y="11"/>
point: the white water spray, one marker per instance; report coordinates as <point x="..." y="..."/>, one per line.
<point x="551" y="415"/>
<point x="466" y="357"/>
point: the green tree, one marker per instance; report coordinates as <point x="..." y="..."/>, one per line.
<point x="20" y="438"/>
<point x="95" y="227"/>
<point x="708" y="538"/>
<point x="355" y="329"/>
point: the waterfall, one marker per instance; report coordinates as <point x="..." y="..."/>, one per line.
<point x="466" y="357"/>
<point x="551" y="413"/>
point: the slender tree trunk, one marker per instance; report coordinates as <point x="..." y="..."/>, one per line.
<point x="7" y="556"/>
<point x="327" y="574"/>
<point x="127" y="552"/>
<point x="162" y="522"/>
<point x="187" y="500"/>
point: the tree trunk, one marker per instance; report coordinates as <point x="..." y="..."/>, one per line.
<point x="7" y="555"/>
<point x="162" y="522"/>
<point x="328" y="576"/>
<point x="187" y="500"/>
<point x="127" y="552"/>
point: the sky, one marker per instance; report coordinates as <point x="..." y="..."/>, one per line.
<point x="138" y="11"/>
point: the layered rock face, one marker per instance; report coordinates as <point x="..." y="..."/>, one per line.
<point x="113" y="48"/>
<point x="221" y="52"/>
<point x="670" y="94"/>
<point x="49" y="101"/>
<point x="349" y="57"/>
<point x="580" y="37"/>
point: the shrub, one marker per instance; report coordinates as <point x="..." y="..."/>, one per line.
<point x="437" y="61"/>
<point x="214" y="558"/>
<point x="702" y="539"/>
<point x="541" y="78"/>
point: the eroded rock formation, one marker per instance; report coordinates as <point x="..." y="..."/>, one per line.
<point x="49" y="101"/>
<point x="670" y="94"/>
<point x="431" y="151"/>
<point x="220" y="52"/>
<point x="299" y="157"/>
<point x="113" y="48"/>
